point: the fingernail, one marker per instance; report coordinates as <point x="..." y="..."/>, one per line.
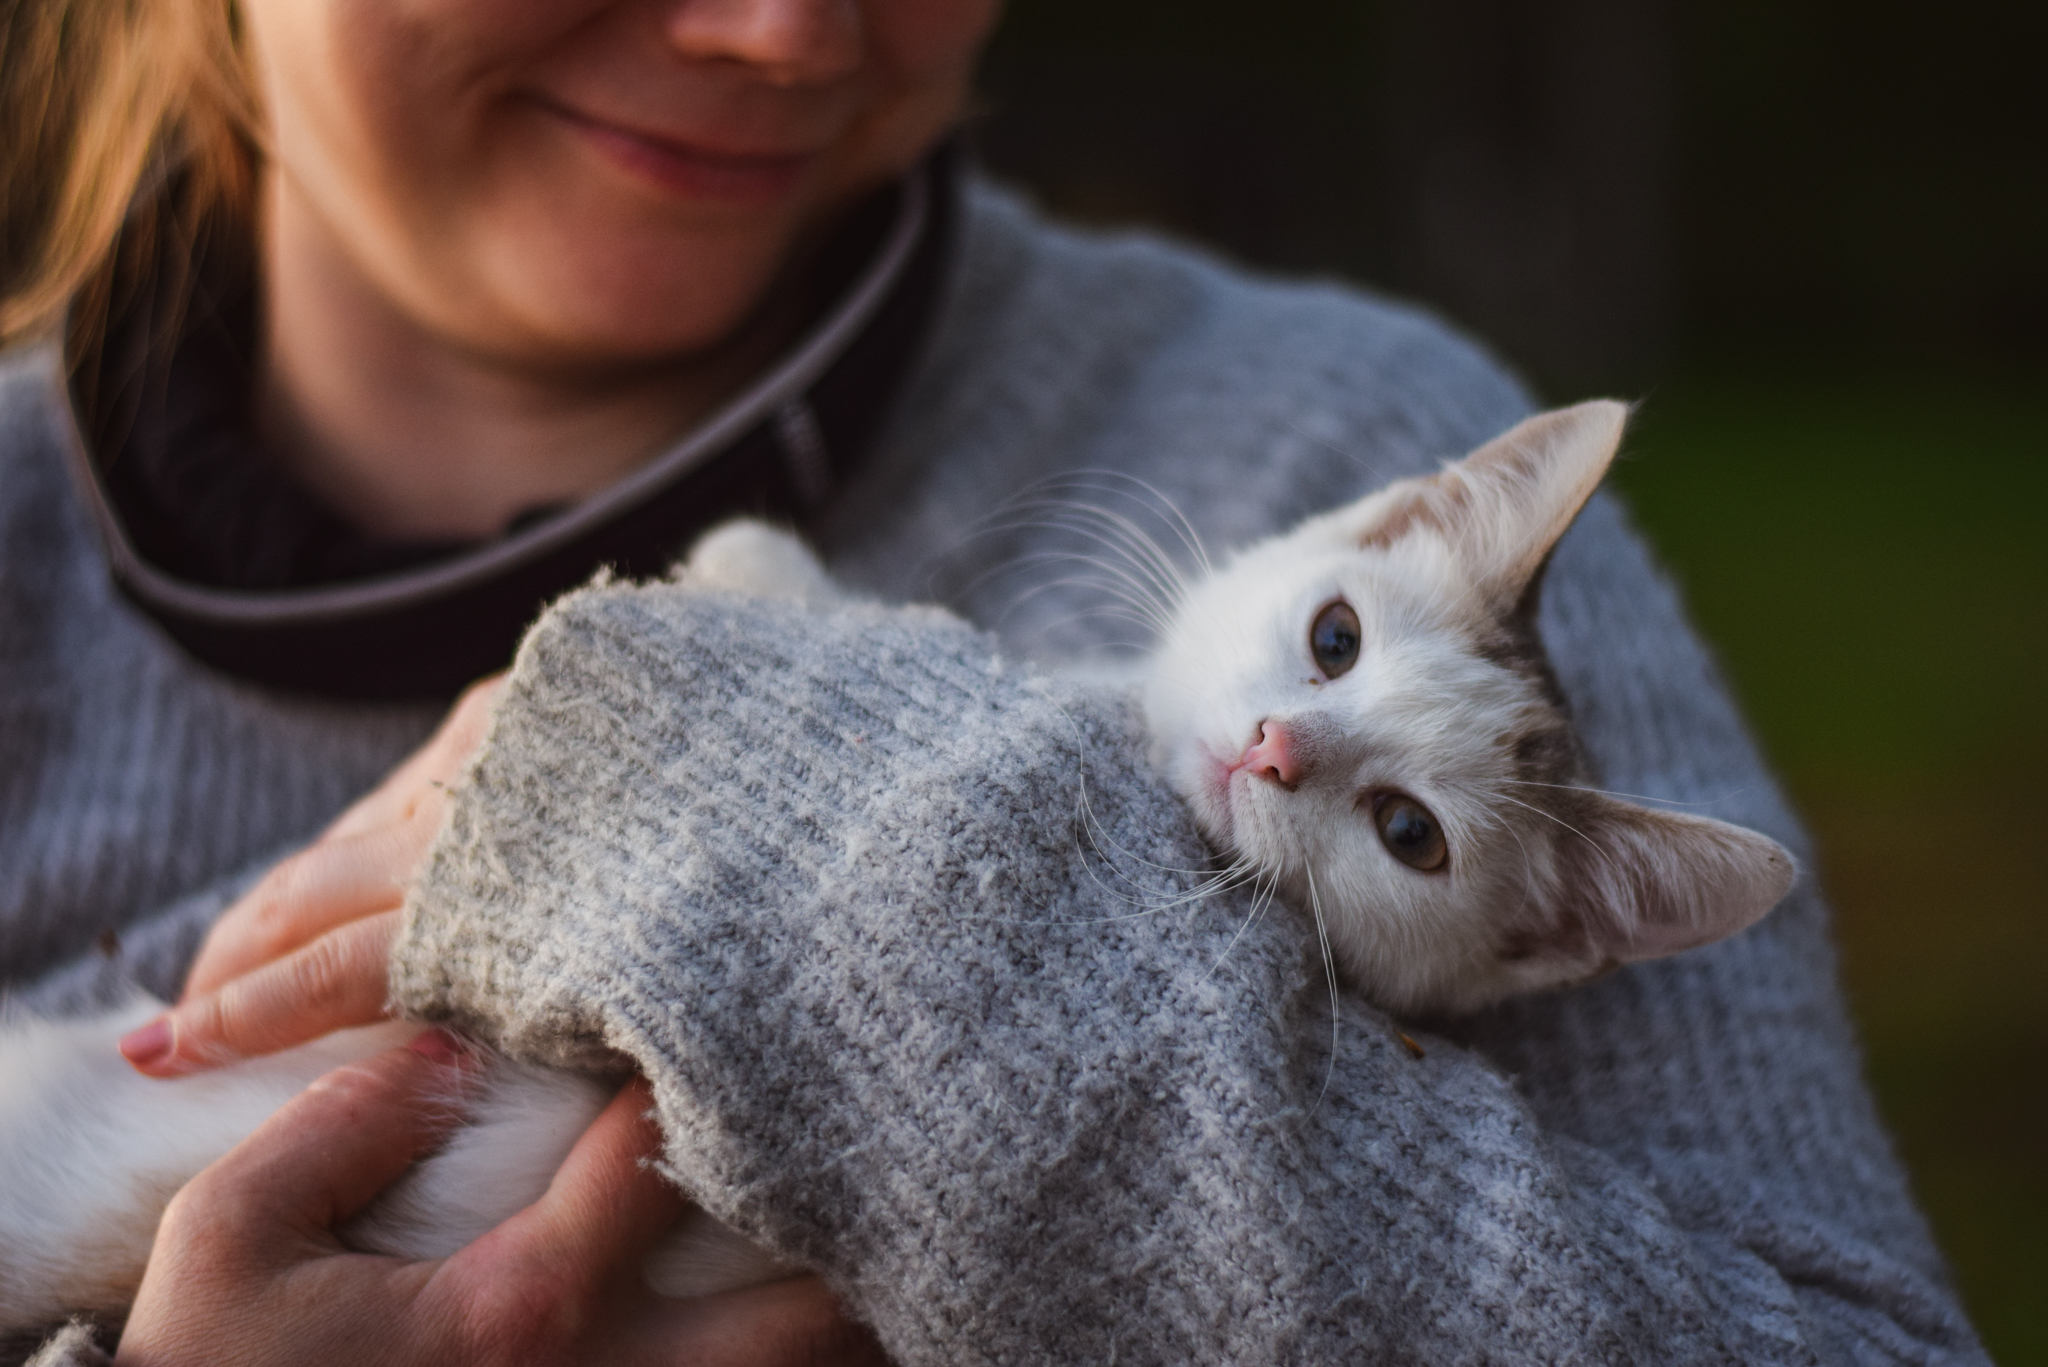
<point x="150" y="1044"/>
<point x="439" y="1046"/>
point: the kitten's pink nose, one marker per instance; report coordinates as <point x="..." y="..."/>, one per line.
<point x="1273" y="756"/>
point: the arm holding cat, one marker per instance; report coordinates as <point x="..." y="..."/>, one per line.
<point x="1003" y="1106"/>
<point x="808" y="744"/>
<point x="247" y="1263"/>
<point x="817" y="875"/>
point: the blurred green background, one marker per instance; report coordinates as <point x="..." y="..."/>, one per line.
<point x="1813" y="236"/>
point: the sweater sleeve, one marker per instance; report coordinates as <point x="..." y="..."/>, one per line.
<point x="937" y="999"/>
<point x="154" y="953"/>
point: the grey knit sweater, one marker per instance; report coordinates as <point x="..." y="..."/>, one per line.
<point x="913" y="1019"/>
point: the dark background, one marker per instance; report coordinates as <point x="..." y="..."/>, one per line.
<point x="1813" y="236"/>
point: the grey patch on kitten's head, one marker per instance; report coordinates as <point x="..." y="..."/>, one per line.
<point x="1360" y="709"/>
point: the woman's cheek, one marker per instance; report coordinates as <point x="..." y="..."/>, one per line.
<point x="929" y="39"/>
<point x="921" y="60"/>
<point x="408" y="128"/>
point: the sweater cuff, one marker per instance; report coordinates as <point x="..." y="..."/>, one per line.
<point x="661" y="754"/>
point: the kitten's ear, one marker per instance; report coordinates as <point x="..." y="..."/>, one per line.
<point x="1503" y="507"/>
<point x="1636" y="883"/>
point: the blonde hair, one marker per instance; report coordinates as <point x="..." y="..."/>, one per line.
<point x="132" y="131"/>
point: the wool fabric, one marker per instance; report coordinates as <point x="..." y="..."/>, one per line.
<point x="921" y="1017"/>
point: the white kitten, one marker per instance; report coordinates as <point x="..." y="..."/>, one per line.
<point x="1358" y="709"/>
<point x="1361" y="709"/>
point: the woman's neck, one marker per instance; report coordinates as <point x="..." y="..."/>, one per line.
<point x="409" y="434"/>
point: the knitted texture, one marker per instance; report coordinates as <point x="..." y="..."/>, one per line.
<point x="904" y="938"/>
<point x="139" y="791"/>
<point x="1006" y="1126"/>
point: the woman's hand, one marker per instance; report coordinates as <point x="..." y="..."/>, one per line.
<point x="247" y="1268"/>
<point x="304" y="952"/>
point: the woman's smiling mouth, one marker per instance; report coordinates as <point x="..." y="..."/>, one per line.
<point x="686" y="168"/>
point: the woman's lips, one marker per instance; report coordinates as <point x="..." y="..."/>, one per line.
<point x="686" y="168"/>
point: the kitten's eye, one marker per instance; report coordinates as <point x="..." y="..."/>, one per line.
<point x="1409" y="832"/>
<point x="1333" y="639"/>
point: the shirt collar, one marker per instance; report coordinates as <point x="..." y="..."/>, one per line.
<point x="253" y="576"/>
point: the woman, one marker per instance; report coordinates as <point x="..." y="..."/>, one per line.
<point x="387" y="323"/>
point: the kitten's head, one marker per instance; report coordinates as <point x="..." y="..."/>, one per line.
<point x="1361" y="710"/>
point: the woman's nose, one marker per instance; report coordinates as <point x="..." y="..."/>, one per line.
<point x="788" y="42"/>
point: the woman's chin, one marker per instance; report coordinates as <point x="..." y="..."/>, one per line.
<point x="628" y="297"/>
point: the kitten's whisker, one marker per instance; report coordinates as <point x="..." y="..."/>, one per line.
<point x="1135" y="579"/>
<point x="1135" y="610"/>
<point x="1547" y="816"/>
<point x="1183" y="529"/>
<point x="1131" y="564"/>
<point x="1097" y="838"/>
<point x="1217" y="882"/>
<point x="1151" y="901"/>
<point x="1182" y="526"/>
<point x="1528" y="864"/>
<point x="1202" y="892"/>
<point x="1116" y="612"/>
<point x="1213" y="879"/>
<point x="1590" y="841"/>
<point x="1315" y="903"/>
<point x="1007" y="520"/>
<point x="1117" y="571"/>
<point x="1112" y="531"/>
<point x="1140" y="546"/>
<point x="1608" y="792"/>
<point x="1118" y="532"/>
<point x="1261" y="899"/>
<point x="1360" y="461"/>
<point x="1117" y="582"/>
<point x="1157" y="899"/>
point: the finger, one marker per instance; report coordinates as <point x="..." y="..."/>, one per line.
<point x="428" y="769"/>
<point x="605" y="1207"/>
<point x="326" y="1153"/>
<point x="310" y="894"/>
<point x="337" y="981"/>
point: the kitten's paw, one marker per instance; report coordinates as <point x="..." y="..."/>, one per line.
<point x="753" y="557"/>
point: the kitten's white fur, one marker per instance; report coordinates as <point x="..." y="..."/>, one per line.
<point x="1452" y="703"/>
<point x="1449" y="703"/>
<point x="94" y="1151"/>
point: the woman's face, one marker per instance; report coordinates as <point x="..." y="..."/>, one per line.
<point x="578" y="182"/>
